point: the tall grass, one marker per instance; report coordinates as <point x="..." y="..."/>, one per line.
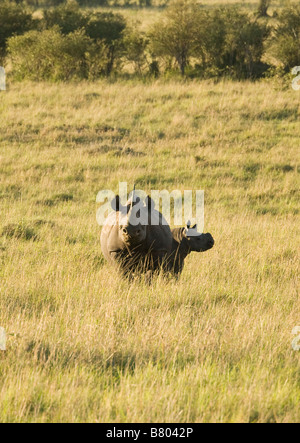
<point x="85" y="345"/>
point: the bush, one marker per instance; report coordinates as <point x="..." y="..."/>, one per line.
<point x="108" y="28"/>
<point x="207" y="42"/>
<point x="105" y="26"/>
<point x="68" y="17"/>
<point x="243" y="45"/>
<point x="14" y="20"/>
<point x="135" y="50"/>
<point x="230" y="42"/>
<point x="51" y="55"/>
<point x="175" y="35"/>
<point x="223" y="40"/>
<point x="285" y="40"/>
<point x="98" y="25"/>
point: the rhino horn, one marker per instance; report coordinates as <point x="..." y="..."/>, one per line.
<point x="133" y="196"/>
<point x="149" y="203"/>
<point x="117" y="205"/>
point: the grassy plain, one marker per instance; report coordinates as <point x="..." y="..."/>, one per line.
<point x="84" y="345"/>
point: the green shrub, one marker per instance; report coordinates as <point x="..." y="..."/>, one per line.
<point x="104" y="27"/>
<point x="51" y="55"/>
<point x="175" y="35"/>
<point x="243" y="45"/>
<point x="107" y="28"/>
<point x="285" y="40"/>
<point x="223" y="40"/>
<point x="135" y="50"/>
<point x="232" y="43"/>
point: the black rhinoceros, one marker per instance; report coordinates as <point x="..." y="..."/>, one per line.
<point x="186" y="240"/>
<point x="136" y="247"/>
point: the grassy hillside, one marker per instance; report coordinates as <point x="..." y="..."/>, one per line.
<point x="85" y="345"/>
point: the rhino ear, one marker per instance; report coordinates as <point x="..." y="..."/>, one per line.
<point x="194" y="227"/>
<point x="130" y="204"/>
<point x="149" y="203"/>
<point x="136" y="201"/>
<point x="116" y="204"/>
<point x="188" y="224"/>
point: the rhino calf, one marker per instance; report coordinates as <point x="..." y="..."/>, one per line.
<point x="185" y="241"/>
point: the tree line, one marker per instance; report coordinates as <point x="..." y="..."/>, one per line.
<point x="106" y="3"/>
<point x="69" y="42"/>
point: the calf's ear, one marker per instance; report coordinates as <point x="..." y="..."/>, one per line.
<point x="188" y="225"/>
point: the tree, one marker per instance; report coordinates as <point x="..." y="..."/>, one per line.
<point x="285" y="40"/>
<point x="107" y="27"/>
<point x="14" y="20"/>
<point x="67" y="16"/>
<point x="232" y="42"/>
<point x="175" y="35"/>
<point x="102" y="27"/>
<point x="135" y="45"/>
<point x="244" y="44"/>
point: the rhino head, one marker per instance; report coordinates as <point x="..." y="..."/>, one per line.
<point x="131" y="232"/>
<point x="192" y="241"/>
<point x="186" y="240"/>
<point x="196" y="241"/>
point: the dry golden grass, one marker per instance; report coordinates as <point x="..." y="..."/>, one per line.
<point x="85" y="345"/>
